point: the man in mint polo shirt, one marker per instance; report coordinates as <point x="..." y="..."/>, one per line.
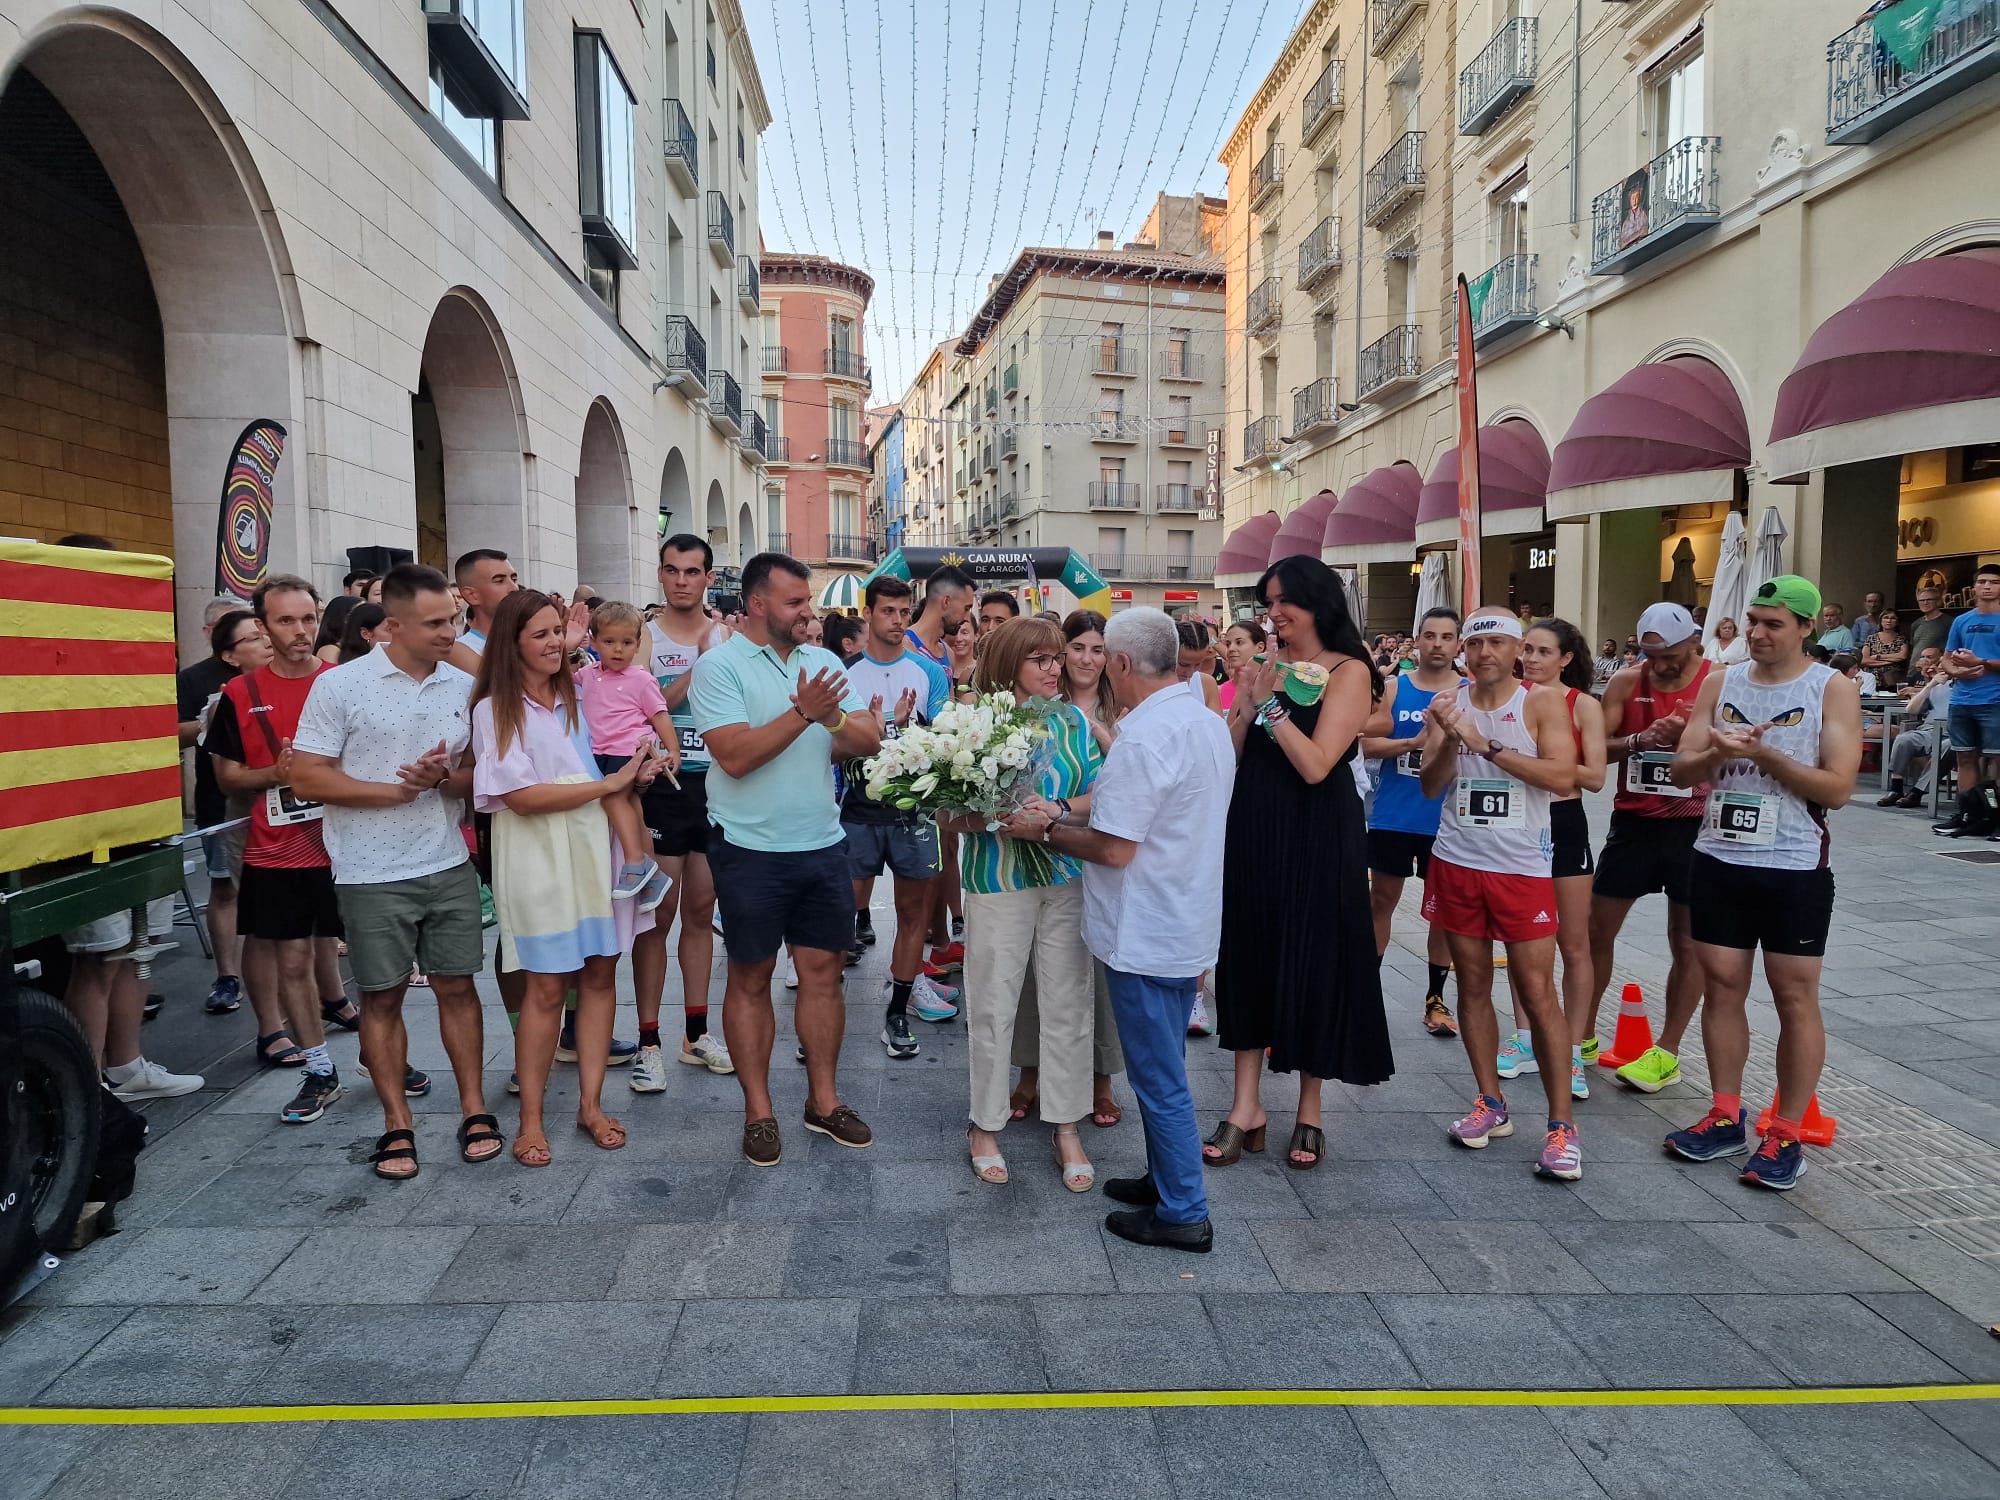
<point x="776" y="714"/>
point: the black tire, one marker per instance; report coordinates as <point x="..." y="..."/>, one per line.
<point x="48" y="1147"/>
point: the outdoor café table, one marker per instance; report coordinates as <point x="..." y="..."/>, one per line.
<point x="1890" y="711"/>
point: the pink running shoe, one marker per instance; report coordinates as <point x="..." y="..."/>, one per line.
<point x="1562" y="1156"/>
<point x="1488" y="1121"/>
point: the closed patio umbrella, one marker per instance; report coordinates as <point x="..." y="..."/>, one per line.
<point x="1682" y="586"/>
<point x="1433" y="587"/>
<point x="1770" y="559"/>
<point x="1732" y="585"/>
<point x="1351" y="592"/>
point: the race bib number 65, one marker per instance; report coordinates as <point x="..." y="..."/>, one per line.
<point x="1746" y="818"/>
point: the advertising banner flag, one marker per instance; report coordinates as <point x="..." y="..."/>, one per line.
<point x="1468" y="456"/>
<point x="243" y="528"/>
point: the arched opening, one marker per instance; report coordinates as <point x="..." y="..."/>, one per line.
<point x="604" y="511"/>
<point x="146" y="283"/>
<point x="746" y="533"/>
<point x="676" y="496"/>
<point x="717" y="519"/>
<point x="466" y="427"/>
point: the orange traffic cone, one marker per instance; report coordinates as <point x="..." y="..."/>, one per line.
<point x="1634" y="1034"/>
<point x="1816" y="1129"/>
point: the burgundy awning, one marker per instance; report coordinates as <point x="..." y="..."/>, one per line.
<point x="1246" y="552"/>
<point x="1513" y="481"/>
<point x="1911" y="364"/>
<point x="1668" y="433"/>
<point x="1376" y="520"/>
<point x="1304" y="528"/>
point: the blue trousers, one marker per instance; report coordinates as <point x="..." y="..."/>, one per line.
<point x="1152" y="1019"/>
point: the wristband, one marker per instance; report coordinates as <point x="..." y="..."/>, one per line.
<point x="841" y="725"/>
<point x="802" y="713"/>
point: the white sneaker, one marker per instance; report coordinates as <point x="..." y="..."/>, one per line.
<point x="706" y="1052"/>
<point x="1199" y="1023"/>
<point x="649" y="1072"/>
<point x="154" y="1082"/>
<point x="791" y="971"/>
<point x="933" y="1002"/>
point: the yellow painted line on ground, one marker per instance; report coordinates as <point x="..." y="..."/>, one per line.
<point x="692" y="1406"/>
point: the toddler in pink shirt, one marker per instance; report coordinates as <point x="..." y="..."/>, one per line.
<point x="627" y="716"/>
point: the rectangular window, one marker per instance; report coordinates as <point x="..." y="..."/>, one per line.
<point x="605" y="163"/>
<point x="483" y="46"/>
<point x="1110" y="547"/>
<point x="1180" y="415"/>
<point x="480" y="136"/>
<point x="774" y="510"/>
<point x="1180" y="472"/>
<point x="840" y="335"/>
<point x="1676" y="89"/>
<point x="1509" y="208"/>
<point x="1110" y="407"/>
<point x="840" y="421"/>
<point x="1111" y="471"/>
<point x="1180" y="547"/>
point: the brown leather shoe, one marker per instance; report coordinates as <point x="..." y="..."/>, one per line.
<point x="843" y="1124"/>
<point x="761" y="1146"/>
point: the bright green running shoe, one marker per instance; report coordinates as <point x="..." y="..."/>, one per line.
<point x="1651" y="1071"/>
<point x="1590" y="1049"/>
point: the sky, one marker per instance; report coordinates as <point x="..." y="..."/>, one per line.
<point x="927" y="141"/>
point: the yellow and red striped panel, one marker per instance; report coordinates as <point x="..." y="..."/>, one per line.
<point x="89" y="743"/>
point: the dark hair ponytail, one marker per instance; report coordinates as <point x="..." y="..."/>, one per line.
<point x="1580" y="671"/>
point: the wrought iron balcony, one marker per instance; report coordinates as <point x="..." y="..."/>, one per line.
<point x="845" y="364"/>
<point x="1672" y="198"/>
<point x="1396" y="177"/>
<point x="1388" y="363"/>
<point x="777" y="359"/>
<point x="1319" y="253"/>
<point x="842" y="547"/>
<point x="1181" y="432"/>
<point x="682" y="148"/>
<point x="721" y="229"/>
<point x="1176" y="497"/>
<point x="725" y="402"/>
<point x="1262" y="309"/>
<point x="1869" y="89"/>
<point x="686" y="351"/>
<point x="1154" y="567"/>
<point x="778" y="541"/>
<point x="1323" y="102"/>
<point x="1115" y="357"/>
<point x="960" y="480"/>
<point x="1010" y="444"/>
<point x="1116" y="429"/>
<point x="992" y="400"/>
<point x="1315" y="405"/>
<point x="1262" y="440"/>
<point x="845" y="453"/>
<point x="754" y="436"/>
<point x="1390" y="17"/>
<point x="989" y="458"/>
<point x="1110" y="494"/>
<point x="1010" y="380"/>
<point x="1180" y="364"/>
<point x="1266" y="176"/>
<point x="983" y="516"/>
<point x="1503" y="298"/>
<point x="777" y="449"/>
<point x="1010" y="508"/>
<point x="749" y="292"/>
<point x="1502" y="73"/>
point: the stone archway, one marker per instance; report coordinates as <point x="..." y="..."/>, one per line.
<point x="185" y="189"/>
<point x="746" y="534"/>
<point x="716" y="519"/>
<point x="676" y="496"/>
<point x="604" y="513"/>
<point x="472" y="489"/>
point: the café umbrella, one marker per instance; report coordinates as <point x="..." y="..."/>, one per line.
<point x="1770" y="559"/>
<point x="1732" y="585"/>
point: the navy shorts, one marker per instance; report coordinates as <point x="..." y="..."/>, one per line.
<point x="804" y="899"/>
<point x="1394" y="853"/>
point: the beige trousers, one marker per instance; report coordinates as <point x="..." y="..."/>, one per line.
<point x="1003" y="935"/>
<point x="1106" y="1055"/>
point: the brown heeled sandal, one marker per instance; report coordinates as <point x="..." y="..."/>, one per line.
<point x="1307" y="1140"/>
<point x="1230" y="1142"/>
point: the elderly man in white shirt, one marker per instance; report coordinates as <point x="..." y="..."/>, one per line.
<point x="1152" y="907"/>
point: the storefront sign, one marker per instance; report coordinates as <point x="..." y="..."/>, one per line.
<point x="1121" y="596"/>
<point x="1541" y="557"/>
<point x="1182" y="596"/>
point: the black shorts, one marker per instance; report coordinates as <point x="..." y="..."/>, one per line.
<point x="1569" y="827"/>
<point x="1744" y="906"/>
<point x="677" y="820"/>
<point x="281" y="905"/>
<point x="803" y="898"/>
<point x="1395" y="853"/>
<point x="1643" y="855"/>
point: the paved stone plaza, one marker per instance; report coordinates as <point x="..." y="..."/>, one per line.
<point x="262" y="1264"/>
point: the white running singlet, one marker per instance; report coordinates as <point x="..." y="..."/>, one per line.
<point x="1491" y="821"/>
<point x="1751" y="818"/>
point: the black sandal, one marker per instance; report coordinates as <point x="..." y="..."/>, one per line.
<point x="1310" y="1140"/>
<point x="479" y="1128"/>
<point x="293" y="1055"/>
<point x="386" y="1151"/>
<point x="343" y="1013"/>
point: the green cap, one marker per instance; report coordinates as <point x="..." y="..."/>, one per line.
<point x="1789" y="591"/>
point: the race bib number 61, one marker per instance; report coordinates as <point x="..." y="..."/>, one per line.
<point x="1490" y="804"/>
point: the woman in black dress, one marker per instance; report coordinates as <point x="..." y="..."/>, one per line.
<point x="1297" y="972"/>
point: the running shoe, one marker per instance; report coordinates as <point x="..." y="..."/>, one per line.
<point x="937" y="973"/>
<point x="706" y="1052"/>
<point x="620" y="1053"/>
<point x="316" y="1092"/>
<point x="416" y="1082"/>
<point x="952" y="956"/>
<point x="791" y="969"/>
<point x="1199" y="1023"/>
<point x="855" y="950"/>
<point x="932" y="1003"/>
<point x="1487" y="1122"/>
<point x="958" y="929"/>
<point x="649" y="1072"/>
<point x="1778" y="1165"/>
<point x="1516" y="1059"/>
<point x="864" y="928"/>
<point x="632" y="880"/>
<point x="1579" y="1086"/>
<point x="657" y="890"/>
<point x="1562" y="1155"/>
<point x="1651" y="1071"/>
<point x="1590" y="1049"/>
<point x="1438" y="1019"/>
<point x="154" y="1082"/>
<point x="225" y="995"/>
<point x="1713" y="1136"/>
<point x="897" y="1037"/>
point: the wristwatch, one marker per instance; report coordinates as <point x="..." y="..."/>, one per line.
<point x="1063" y="803"/>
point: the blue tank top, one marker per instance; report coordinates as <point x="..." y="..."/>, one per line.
<point x="1400" y="803"/>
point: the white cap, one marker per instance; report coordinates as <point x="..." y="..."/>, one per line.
<point x="1498" y="623"/>
<point x="1670" y="622"/>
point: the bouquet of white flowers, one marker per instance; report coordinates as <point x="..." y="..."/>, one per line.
<point x="981" y="758"/>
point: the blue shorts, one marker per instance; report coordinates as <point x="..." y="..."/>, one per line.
<point x="1974" y="727"/>
<point x="803" y="899"/>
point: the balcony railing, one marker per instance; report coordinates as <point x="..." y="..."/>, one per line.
<point x="1180" y="432"/>
<point x="1113" y="494"/>
<point x="1314" y="405"/>
<point x="1869" y="89"/>
<point x="988" y="459"/>
<point x="721" y="228"/>
<point x="778" y="541"/>
<point x="846" y="364"/>
<point x="1176" y="497"/>
<point x="1010" y="444"/>
<point x="1116" y="429"/>
<point x="846" y="453"/>
<point x="777" y="359"/>
<point x="1672" y="198"/>
<point x="1396" y="177"/>
<point x="1319" y="253"/>
<point x="1262" y="440"/>
<point x="841" y="547"/>
<point x="749" y="289"/>
<point x="1010" y="507"/>
<point x="725" y="402"/>
<point x="1503" y="298"/>
<point x="1502" y="73"/>
<point x="1267" y="175"/>
<point x="1263" y="307"/>
<point x="754" y="435"/>
<point x="1323" y="102"/>
<point x="1390" y="17"/>
<point x="1180" y="364"/>
<point x="1154" y="567"/>
<point x="1010" y="380"/>
<point x="777" y="449"/>
<point x="1389" y="362"/>
<point x="683" y="149"/>
<point x="983" y="516"/>
<point x="686" y="351"/>
<point x="1115" y="357"/>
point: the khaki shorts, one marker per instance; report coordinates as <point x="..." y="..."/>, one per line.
<point x="429" y="923"/>
<point x="113" y="934"/>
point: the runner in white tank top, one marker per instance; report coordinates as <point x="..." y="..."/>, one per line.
<point x="1498" y="753"/>
<point x="1778" y="738"/>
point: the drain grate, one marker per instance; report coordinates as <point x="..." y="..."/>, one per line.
<point x="1970" y="856"/>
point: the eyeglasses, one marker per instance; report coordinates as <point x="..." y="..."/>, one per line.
<point x="1043" y="661"/>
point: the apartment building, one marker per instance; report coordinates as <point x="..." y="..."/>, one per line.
<point x="1694" y="234"/>
<point x="431" y="254"/>
<point x="926" y="464"/>
<point x="888" y="504"/>
<point x="816" y="382"/>
<point x="1084" y="394"/>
